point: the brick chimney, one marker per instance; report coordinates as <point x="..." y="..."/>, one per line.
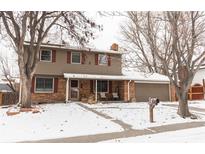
<point x="114" y="47"/>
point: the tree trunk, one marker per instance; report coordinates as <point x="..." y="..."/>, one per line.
<point x="25" y="96"/>
<point x="183" y="109"/>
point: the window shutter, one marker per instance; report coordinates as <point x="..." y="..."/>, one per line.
<point x="110" y="86"/>
<point x="83" y="58"/>
<point x="53" y="56"/>
<point x="91" y="86"/>
<point x="109" y="60"/>
<point x="55" y="85"/>
<point x="32" y="85"/>
<point x="68" y="57"/>
<point x="96" y="59"/>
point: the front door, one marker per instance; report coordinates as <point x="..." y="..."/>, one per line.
<point x="74" y="89"/>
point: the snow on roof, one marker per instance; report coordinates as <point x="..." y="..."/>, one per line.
<point x="146" y="77"/>
<point x="136" y="76"/>
<point x="202" y="66"/>
<point x="5" y="88"/>
<point x="4" y="80"/>
<point x="63" y="46"/>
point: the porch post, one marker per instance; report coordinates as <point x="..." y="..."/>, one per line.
<point x="128" y="90"/>
<point x="67" y="90"/>
<point x="96" y="91"/>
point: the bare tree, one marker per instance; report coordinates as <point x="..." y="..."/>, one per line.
<point x="170" y="43"/>
<point x="6" y="73"/>
<point x="34" y="27"/>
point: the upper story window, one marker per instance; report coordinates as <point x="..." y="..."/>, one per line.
<point x="46" y="55"/>
<point x="102" y="59"/>
<point x="76" y="58"/>
<point x="44" y="84"/>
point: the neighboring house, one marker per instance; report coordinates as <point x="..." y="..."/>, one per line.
<point x="5" y="93"/>
<point x="69" y="73"/>
<point x="5" y="88"/>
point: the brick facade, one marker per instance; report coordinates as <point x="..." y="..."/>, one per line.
<point x="85" y="88"/>
<point x="124" y="91"/>
<point x="120" y="87"/>
<point x="58" y="96"/>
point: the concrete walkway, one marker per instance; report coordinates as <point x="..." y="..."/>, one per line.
<point x="123" y="134"/>
<point x="128" y="131"/>
<point x="119" y="122"/>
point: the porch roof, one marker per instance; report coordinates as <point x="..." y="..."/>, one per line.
<point x="154" y="78"/>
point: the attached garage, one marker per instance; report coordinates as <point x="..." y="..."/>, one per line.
<point x="145" y="90"/>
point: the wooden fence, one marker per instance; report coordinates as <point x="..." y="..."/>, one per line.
<point x="8" y="98"/>
<point x="196" y="92"/>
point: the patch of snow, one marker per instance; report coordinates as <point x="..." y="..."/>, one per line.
<point x="141" y="76"/>
<point x="191" y="135"/>
<point x="57" y="121"/>
<point x="198" y="104"/>
<point x="137" y="114"/>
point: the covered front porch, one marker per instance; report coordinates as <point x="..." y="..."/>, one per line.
<point x="94" y="88"/>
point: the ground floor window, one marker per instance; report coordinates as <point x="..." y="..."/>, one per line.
<point x="44" y="84"/>
<point x="102" y="85"/>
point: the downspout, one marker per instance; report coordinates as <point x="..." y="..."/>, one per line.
<point x="128" y="90"/>
<point x="67" y="90"/>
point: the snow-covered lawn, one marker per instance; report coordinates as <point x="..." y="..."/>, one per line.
<point x="57" y="120"/>
<point x="199" y="104"/>
<point x="137" y="114"/>
<point x="69" y="120"/>
<point x="193" y="135"/>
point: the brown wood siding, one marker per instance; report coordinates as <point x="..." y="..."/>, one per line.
<point x="83" y="58"/>
<point x="109" y="60"/>
<point x="89" y="67"/>
<point x="96" y="59"/>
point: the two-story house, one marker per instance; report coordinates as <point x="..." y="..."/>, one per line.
<point x="69" y="73"/>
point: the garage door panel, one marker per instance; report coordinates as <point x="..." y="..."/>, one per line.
<point x="146" y="90"/>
